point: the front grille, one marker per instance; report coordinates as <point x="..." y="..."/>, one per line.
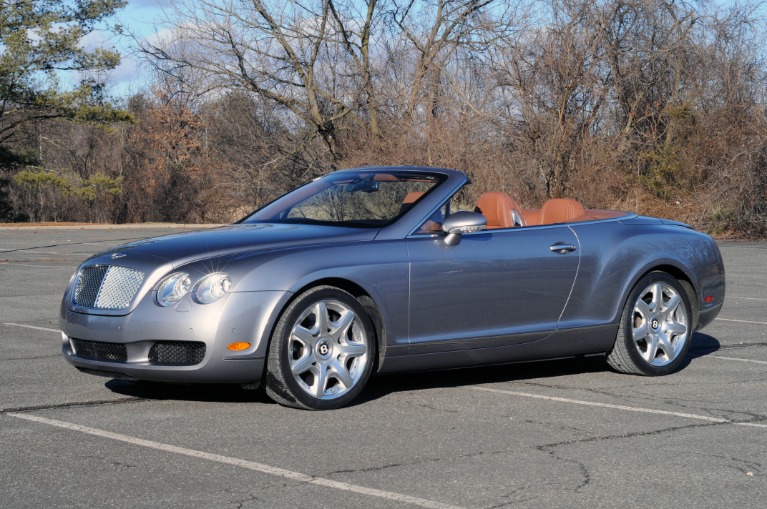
<point x="177" y="353"/>
<point x="107" y="286"/>
<point x="88" y="285"/>
<point x="99" y="351"/>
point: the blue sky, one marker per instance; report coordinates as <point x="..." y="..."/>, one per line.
<point x="142" y="18"/>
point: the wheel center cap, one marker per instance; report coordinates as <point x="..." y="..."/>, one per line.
<point x="323" y="349"/>
<point x="655" y="324"/>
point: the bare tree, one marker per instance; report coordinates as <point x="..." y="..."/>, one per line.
<point x="300" y="55"/>
<point x="429" y="35"/>
<point x="648" y="105"/>
<point x="556" y="84"/>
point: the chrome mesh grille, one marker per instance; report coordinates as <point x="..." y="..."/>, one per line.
<point x="119" y="287"/>
<point x="107" y="286"/>
<point x="88" y="285"/>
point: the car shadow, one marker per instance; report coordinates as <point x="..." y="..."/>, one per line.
<point x="214" y="393"/>
<point x="702" y="345"/>
<point x="382" y="385"/>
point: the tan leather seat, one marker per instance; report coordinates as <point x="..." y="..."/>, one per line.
<point x="561" y="210"/>
<point x="412" y="197"/>
<point x="409" y="200"/>
<point x="532" y="216"/>
<point x="500" y="210"/>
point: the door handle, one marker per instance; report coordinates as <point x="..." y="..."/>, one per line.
<point x="562" y="248"/>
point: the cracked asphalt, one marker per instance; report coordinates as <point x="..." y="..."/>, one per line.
<point x="563" y="434"/>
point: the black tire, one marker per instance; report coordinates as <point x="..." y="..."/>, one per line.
<point x="322" y="351"/>
<point x="655" y="330"/>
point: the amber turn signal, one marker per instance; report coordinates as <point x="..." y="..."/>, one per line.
<point x="240" y="345"/>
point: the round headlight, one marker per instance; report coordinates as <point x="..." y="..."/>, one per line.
<point x="212" y="287"/>
<point x="173" y="288"/>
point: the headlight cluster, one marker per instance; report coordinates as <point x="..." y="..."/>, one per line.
<point x="208" y="289"/>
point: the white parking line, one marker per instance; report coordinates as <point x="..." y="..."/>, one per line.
<point x="740" y="321"/>
<point x="237" y="462"/>
<point x="732" y="359"/>
<point x="618" y="407"/>
<point x="747" y="298"/>
<point x="751" y="424"/>
<point x="46" y="329"/>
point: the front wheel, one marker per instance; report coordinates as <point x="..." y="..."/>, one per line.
<point x="655" y="329"/>
<point x="322" y="351"/>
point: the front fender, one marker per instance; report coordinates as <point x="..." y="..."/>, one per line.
<point x="379" y="268"/>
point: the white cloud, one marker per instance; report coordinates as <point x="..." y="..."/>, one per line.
<point x="98" y="39"/>
<point x="163" y="36"/>
<point x="148" y="3"/>
<point x="127" y="72"/>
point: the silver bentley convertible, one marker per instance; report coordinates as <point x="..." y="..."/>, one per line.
<point x="388" y="269"/>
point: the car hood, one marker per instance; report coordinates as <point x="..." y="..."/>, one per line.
<point x="183" y="248"/>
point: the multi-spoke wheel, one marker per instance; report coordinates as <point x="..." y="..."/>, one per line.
<point x="655" y="329"/>
<point x="322" y="351"/>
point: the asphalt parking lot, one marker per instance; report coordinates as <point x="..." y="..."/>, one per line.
<point x="554" y="434"/>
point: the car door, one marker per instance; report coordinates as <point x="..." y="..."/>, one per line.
<point x="494" y="288"/>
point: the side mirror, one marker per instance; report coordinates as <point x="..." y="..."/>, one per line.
<point x="462" y="222"/>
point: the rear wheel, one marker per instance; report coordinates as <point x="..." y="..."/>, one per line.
<point x="322" y="351"/>
<point x="655" y="329"/>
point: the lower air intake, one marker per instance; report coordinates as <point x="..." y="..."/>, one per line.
<point x="100" y="351"/>
<point x="176" y="353"/>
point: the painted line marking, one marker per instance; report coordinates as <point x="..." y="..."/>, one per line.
<point x="748" y="298"/>
<point x="46" y="329"/>
<point x="619" y="407"/>
<point x="732" y="359"/>
<point x="602" y="405"/>
<point x="740" y="321"/>
<point x="751" y="424"/>
<point x="237" y="462"/>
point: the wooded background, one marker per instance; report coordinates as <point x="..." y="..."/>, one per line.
<point x="651" y="106"/>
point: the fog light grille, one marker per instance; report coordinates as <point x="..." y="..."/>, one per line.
<point x="100" y="351"/>
<point x="177" y="353"/>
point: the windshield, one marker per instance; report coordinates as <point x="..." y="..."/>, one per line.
<point x="349" y="198"/>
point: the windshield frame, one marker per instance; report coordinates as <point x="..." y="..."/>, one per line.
<point x="271" y="212"/>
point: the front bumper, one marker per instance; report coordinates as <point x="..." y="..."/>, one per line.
<point x="127" y="346"/>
